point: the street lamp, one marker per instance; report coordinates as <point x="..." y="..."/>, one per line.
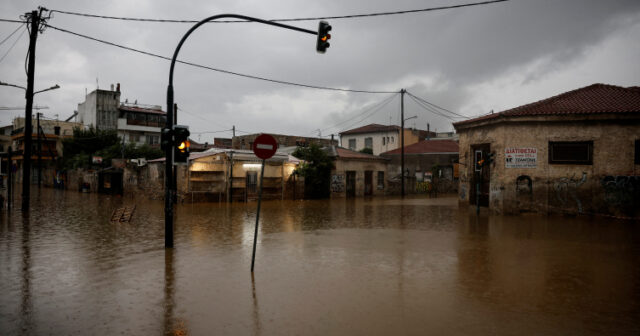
<point x="26" y="155"/>
<point x="169" y="192"/>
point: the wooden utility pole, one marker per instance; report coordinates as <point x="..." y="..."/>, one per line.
<point x="34" y="20"/>
<point x="402" y="92"/>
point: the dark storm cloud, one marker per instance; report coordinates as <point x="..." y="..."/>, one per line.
<point x="448" y="57"/>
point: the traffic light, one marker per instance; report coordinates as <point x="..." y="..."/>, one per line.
<point x="323" y="37"/>
<point x="182" y="145"/>
<point x="481" y="163"/>
<point x="165" y="138"/>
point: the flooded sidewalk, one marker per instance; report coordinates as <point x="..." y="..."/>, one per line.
<point x="382" y="266"/>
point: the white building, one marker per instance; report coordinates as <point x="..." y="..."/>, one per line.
<point x="100" y="109"/>
<point x="380" y="138"/>
<point x="141" y="124"/>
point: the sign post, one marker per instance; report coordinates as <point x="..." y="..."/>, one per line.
<point x="264" y="146"/>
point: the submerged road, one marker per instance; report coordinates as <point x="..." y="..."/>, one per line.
<point x="381" y="266"/>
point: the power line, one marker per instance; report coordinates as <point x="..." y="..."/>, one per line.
<point x="428" y="109"/>
<point x="14" y="21"/>
<point x="215" y="69"/>
<point x="352" y="16"/>
<point x="13" y="45"/>
<point x="201" y="117"/>
<point x="436" y="106"/>
<point x="384" y="101"/>
<point x="370" y="114"/>
<point x="6" y="38"/>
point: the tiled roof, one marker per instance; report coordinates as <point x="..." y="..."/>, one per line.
<point x="593" y="99"/>
<point x="344" y="153"/>
<point x="427" y="146"/>
<point x="372" y="128"/>
<point x="140" y="109"/>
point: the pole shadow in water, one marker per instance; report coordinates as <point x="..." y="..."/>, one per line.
<point x="256" y="311"/>
<point x="26" y="305"/>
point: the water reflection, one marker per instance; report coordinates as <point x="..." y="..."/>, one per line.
<point x="374" y="266"/>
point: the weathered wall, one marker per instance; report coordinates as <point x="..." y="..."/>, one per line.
<point x="339" y="178"/>
<point x="607" y="186"/>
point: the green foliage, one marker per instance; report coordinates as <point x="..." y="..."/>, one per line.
<point x="316" y="170"/>
<point x="85" y="144"/>
<point x="366" y="151"/>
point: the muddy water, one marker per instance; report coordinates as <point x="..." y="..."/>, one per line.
<point x="355" y="267"/>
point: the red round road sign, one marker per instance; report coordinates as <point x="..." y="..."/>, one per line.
<point x="264" y="146"/>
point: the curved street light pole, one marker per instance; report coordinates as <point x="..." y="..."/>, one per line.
<point x="168" y="196"/>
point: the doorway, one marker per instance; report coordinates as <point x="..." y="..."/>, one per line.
<point x="368" y="183"/>
<point x="351" y="184"/>
<point x="480" y="177"/>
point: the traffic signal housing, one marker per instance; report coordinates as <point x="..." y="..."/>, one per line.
<point x="165" y="138"/>
<point x="323" y="37"/>
<point x="181" y="145"/>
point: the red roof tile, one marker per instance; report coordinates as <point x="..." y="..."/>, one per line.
<point x="593" y="99"/>
<point x="372" y="128"/>
<point x="349" y="154"/>
<point x="427" y="146"/>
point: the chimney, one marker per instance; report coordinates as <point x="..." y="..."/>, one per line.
<point x="118" y="88"/>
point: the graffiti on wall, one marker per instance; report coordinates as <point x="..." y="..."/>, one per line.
<point x="524" y="185"/>
<point x="568" y="188"/>
<point x="621" y="190"/>
<point x="337" y="183"/>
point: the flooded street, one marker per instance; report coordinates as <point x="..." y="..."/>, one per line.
<point x="380" y="266"/>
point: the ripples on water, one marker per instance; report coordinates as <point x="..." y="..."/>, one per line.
<point x="365" y="266"/>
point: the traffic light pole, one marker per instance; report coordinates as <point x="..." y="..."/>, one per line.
<point x="168" y="204"/>
<point x="402" y="92"/>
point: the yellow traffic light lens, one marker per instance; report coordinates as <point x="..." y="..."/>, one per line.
<point x="324" y="38"/>
<point x="182" y="145"/>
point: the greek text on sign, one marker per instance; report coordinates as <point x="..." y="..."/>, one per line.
<point x="520" y="157"/>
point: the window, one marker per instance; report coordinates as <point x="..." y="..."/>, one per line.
<point x="383" y="143"/>
<point x="637" y="152"/>
<point x="352" y="144"/>
<point x="153" y="139"/>
<point x="381" y="179"/>
<point x="368" y="143"/>
<point x="571" y="152"/>
<point x="391" y="139"/>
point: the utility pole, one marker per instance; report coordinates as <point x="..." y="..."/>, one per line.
<point x="9" y="177"/>
<point x="402" y="92"/>
<point x="230" y="195"/>
<point x="34" y="18"/>
<point x="39" y="150"/>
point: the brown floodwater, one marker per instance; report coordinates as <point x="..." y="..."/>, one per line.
<point x="381" y="266"/>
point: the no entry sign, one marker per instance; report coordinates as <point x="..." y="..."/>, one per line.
<point x="264" y="146"/>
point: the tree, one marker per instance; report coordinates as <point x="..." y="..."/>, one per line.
<point x="367" y="150"/>
<point x="316" y="170"/>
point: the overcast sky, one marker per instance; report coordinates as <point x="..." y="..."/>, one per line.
<point x="470" y="60"/>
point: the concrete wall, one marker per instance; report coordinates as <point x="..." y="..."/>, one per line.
<point x="610" y="185"/>
<point x="339" y="177"/>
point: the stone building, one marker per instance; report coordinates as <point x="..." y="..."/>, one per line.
<point x="577" y="152"/>
<point x="426" y="161"/>
<point x="100" y="109"/>
<point x="357" y="174"/>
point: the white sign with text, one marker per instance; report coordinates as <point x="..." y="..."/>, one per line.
<point x="520" y="157"/>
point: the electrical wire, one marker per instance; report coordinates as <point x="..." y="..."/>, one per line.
<point x="6" y="38"/>
<point x="436" y="106"/>
<point x="201" y="117"/>
<point x="368" y="115"/>
<point x="352" y="16"/>
<point x="214" y="69"/>
<point x="13" y="45"/>
<point x="14" y="21"/>
<point x="384" y="101"/>
<point x="433" y="111"/>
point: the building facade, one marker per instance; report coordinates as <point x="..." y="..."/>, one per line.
<point x="380" y="138"/>
<point x="578" y="153"/>
<point x="246" y="141"/>
<point x="357" y="174"/>
<point x="141" y="124"/>
<point x="100" y="109"/>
